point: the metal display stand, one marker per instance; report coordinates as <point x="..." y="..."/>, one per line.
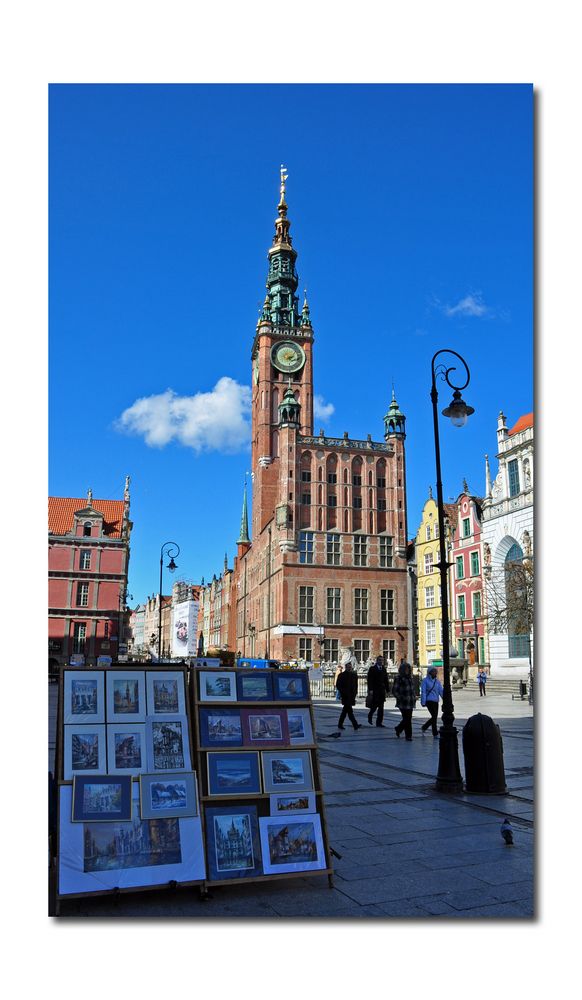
<point x="260" y="800"/>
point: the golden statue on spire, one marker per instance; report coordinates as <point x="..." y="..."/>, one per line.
<point x="284" y="176"/>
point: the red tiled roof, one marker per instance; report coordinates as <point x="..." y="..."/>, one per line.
<point x="450" y="510"/>
<point x="523" y="422"/>
<point x="61" y="512"/>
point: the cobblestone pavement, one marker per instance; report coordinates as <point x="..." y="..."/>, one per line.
<point x="406" y="850"/>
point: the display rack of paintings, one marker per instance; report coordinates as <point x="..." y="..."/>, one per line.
<point x="127" y="797"/>
<point x="258" y="772"/>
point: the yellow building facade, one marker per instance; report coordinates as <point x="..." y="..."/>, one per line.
<point x="428" y="596"/>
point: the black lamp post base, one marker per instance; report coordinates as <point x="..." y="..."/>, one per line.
<point x="449" y="773"/>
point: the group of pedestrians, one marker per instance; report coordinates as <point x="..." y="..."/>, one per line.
<point x="346" y="682"/>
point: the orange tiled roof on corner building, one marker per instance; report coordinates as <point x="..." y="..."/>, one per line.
<point x="523" y="422"/>
<point x="61" y="511"/>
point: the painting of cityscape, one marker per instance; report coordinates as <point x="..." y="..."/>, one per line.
<point x="84" y="751"/>
<point x="168" y="747"/>
<point x="264" y="728"/>
<point x="136" y="844"/>
<point x="126" y="749"/>
<point x="291" y="685"/>
<point x="126" y="697"/>
<point x="292" y="845"/>
<point x="233" y="774"/>
<point x="304" y="803"/>
<point x="220" y="727"/>
<point x="287" y="769"/>
<point x="101" y="798"/>
<point x="165" y="694"/>
<point x="233" y="842"/>
<point x="83" y="696"/>
<point x="171" y="795"/>
<point x="254" y="686"/>
<point x="217" y="686"/>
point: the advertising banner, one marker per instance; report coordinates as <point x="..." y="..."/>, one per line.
<point x="184" y="617"/>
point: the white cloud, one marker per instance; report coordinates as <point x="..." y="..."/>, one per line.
<point x="471" y="305"/>
<point x="209" y="421"/>
<point x="322" y="410"/>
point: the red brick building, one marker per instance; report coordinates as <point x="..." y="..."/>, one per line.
<point x="326" y="566"/>
<point x="88" y="565"/>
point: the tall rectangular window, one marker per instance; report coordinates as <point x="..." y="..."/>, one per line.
<point x="331" y="650"/>
<point x="388" y="651"/>
<point x="381" y="482"/>
<point x="332" y="478"/>
<point x="85" y="560"/>
<point x="306" y="498"/>
<point x="430" y="632"/>
<point x="466" y="527"/>
<point x="427" y="533"/>
<point x="360" y="606"/>
<point x="306" y="605"/>
<point x="82" y="595"/>
<point x="357" y="503"/>
<point x="360" y="550"/>
<point x="386" y="551"/>
<point x="332" y="550"/>
<point x="362" y="650"/>
<point x="477" y="604"/>
<point x="428" y="563"/>
<point x="386" y="607"/>
<point x="305" y="648"/>
<point x="474" y="564"/>
<point x="306" y="546"/>
<point x="79" y="635"/>
<point x="381" y="504"/>
<point x="305" y="476"/>
<point x="461" y="606"/>
<point x="460" y="567"/>
<point x="357" y="480"/>
<point x="333" y="606"/>
<point x="513" y="473"/>
<point x="332" y="501"/>
<point x="429" y="597"/>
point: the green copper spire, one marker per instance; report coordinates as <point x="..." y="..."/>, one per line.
<point x="244" y="521"/>
<point x="305" y="320"/>
<point x="394" y="420"/>
<point x="282" y="278"/>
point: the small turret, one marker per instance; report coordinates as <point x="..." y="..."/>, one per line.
<point x="394" y="420"/>
<point x="289" y="408"/>
<point x="243" y="538"/>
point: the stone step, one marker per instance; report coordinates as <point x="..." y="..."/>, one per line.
<point x="496" y="685"/>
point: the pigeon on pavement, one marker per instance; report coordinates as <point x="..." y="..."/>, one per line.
<point x="507" y="832"/>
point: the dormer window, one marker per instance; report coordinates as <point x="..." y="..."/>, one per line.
<point x="87" y="529"/>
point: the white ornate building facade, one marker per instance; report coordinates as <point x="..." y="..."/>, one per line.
<point x="507" y="536"/>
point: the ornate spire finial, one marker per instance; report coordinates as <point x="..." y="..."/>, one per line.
<point x="284" y="176"/>
<point x="89" y="497"/>
<point x="243" y="538"/>
<point x="465" y="486"/>
<point x="126" y="489"/>
<point x="430" y="493"/>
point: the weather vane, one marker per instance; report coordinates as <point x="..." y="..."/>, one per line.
<point x="284" y="176"/>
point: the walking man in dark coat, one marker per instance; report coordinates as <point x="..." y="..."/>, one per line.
<point x="378" y="685"/>
<point x="347" y="685"/>
<point x="403" y="691"/>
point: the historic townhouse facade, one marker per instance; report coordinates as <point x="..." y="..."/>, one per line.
<point x="468" y="604"/>
<point x="326" y="566"/>
<point x="508" y="538"/>
<point x="88" y="565"/>
<point x="428" y="587"/>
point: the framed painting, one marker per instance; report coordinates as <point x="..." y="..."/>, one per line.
<point x="232" y="842"/>
<point x="287" y="769"/>
<point x="291" y="844"/>
<point x="165" y="692"/>
<point x="126" y="696"/>
<point x="126" y="748"/>
<point x="299" y="723"/>
<point x="165" y="795"/>
<point x="220" y="727"/>
<point x="254" y="685"/>
<point x="287" y="805"/>
<point x="93" y="857"/>
<point x="83" y="697"/>
<point x="101" y="798"/>
<point x="291" y="685"/>
<point x="264" y="727"/>
<point x="217" y="685"/>
<point x="168" y="744"/>
<point x="233" y="773"/>
<point x="85" y="751"/>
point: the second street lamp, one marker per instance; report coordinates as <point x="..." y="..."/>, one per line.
<point x="449" y="774"/>
<point x="171" y="566"/>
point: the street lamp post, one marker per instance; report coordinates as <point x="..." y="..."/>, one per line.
<point x="449" y="775"/>
<point x="171" y="566"/>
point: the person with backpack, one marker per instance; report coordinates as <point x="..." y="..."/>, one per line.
<point x="403" y="691"/>
<point x="430" y="692"/>
<point x="347" y="685"/>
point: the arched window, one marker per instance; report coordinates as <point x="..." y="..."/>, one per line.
<point x="87" y="529"/>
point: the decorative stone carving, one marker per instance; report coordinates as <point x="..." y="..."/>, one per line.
<point x="487" y="553"/>
<point x="526" y="540"/>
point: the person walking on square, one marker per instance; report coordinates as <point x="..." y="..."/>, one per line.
<point x="337" y="674"/>
<point x="482" y="680"/>
<point x="378" y="687"/>
<point x="347" y="685"/>
<point x="403" y="691"/>
<point x="430" y="692"/>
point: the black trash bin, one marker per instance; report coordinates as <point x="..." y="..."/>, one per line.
<point x="483" y="752"/>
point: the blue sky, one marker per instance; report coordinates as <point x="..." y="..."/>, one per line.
<point x="411" y="210"/>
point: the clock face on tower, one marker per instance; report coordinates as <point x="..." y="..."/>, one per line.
<point x="287" y="357"/>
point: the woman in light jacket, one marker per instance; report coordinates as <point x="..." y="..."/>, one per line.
<point x="430" y="693"/>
